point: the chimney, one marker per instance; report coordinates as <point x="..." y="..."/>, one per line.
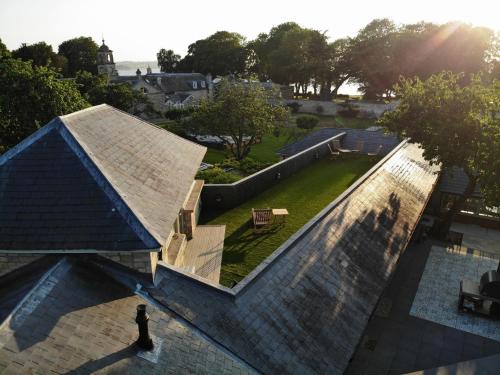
<point x="149" y="71"/>
<point x="144" y="341"/>
<point x="138" y="73"/>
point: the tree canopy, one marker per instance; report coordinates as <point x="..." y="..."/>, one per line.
<point x="383" y="52"/>
<point x="221" y="54"/>
<point x="240" y="111"/>
<point x="167" y="60"/>
<point x="40" y="54"/>
<point x="457" y="125"/>
<point x="81" y="54"/>
<point x="4" y="51"/>
<point x="30" y="97"/>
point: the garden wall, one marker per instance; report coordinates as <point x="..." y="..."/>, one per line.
<point x="330" y="108"/>
<point x="225" y="196"/>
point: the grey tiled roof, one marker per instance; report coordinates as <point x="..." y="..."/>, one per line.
<point x="152" y="169"/>
<point x="371" y="139"/>
<point x="454" y="181"/>
<point x="49" y="201"/>
<point x="71" y="324"/>
<point x="97" y="179"/>
<point x="305" y="313"/>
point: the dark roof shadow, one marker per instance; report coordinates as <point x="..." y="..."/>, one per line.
<point x="80" y="287"/>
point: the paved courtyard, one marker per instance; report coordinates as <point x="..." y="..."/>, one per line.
<point x="437" y="295"/>
<point x="479" y="238"/>
<point x="395" y="342"/>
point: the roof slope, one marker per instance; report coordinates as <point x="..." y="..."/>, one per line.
<point x="49" y="201"/>
<point x="96" y="179"/>
<point x="70" y="324"/>
<point x="306" y="311"/>
<point x="150" y="168"/>
<point x="455" y="181"/>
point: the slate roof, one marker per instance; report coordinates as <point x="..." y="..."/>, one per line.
<point x="304" y="309"/>
<point x="454" y="181"/>
<point x="371" y="139"/>
<point x="70" y="324"/>
<point x="97" y="179"/>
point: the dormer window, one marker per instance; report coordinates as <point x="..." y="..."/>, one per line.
<point x="195" y="85"/>
<point x="203" y="84"/>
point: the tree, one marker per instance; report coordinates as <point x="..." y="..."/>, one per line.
<point x="290" y="54"/>
<point x="30" y="97"/>
<point x="81" y="54"/>
<point x="456" y="125"/>
<point x="167" y="60"/>
<point x="383" y="52"/>
<point x="238" y="115"/>
<point x="40" y="54"/>
<point x="4" y="51"/>
<point x="221" y="54"/>
<point x="96" y="90"/>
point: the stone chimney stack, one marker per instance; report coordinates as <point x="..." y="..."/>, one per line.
<point x="149" y="71"/>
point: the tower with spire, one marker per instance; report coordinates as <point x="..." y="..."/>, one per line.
<point x="105" y="63"/>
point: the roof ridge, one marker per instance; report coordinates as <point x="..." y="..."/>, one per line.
<point x="88" y="109"/>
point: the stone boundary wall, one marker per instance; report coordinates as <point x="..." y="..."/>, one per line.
<point x="11" y="261"/>
<point x="225" y="196"/>
<point x="330" y="108"/>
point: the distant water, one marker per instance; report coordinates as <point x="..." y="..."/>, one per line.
<point x="131" y="72"/>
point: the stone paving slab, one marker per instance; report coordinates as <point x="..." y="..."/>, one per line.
<point x="437" y="296"/>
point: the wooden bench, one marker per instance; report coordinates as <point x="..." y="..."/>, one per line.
<point x="262" y="218"/>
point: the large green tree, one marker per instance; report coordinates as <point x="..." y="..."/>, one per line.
<point x="383" y="52"/>
<point x="457" y="125"/>
<point x="40" y="54"/>
<point x="221" y="54"/>
<point x="238" y="115"/>
<point x="81" y="54"/>
<point x="30" y="97"/>
<point x="168" y="60"/>
<point x="4" y="51"/>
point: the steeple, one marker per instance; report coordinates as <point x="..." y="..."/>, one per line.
<point x="105" y="63"/>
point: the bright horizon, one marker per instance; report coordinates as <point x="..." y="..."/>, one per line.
<point x="136" y="33"/>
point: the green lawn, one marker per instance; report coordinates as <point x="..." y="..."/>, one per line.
<point x="304" y="195"/>
<point x="265" y="151"/>
<point x="214" y="156"/>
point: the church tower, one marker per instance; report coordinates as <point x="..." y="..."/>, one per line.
<point x="105" y="63"/>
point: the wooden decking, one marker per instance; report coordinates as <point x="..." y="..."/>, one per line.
<point x="204" y="252"/>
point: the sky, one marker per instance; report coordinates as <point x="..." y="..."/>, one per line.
<point x="136" y="30"/>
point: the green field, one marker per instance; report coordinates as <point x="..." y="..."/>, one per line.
<point x="303" y="195"/>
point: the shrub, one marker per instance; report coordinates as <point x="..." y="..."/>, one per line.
<point x="217" y="175"/>
<point x="174" y="127"/>
<point x="229" y="163"/>
<point x="177" y="113"/>
<point x="347" y="110"/>
<point x="249" y="165"/>
<point x="294" y="106"/>
<point x="319" y="108"/>
<point x="307" y="122"/>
